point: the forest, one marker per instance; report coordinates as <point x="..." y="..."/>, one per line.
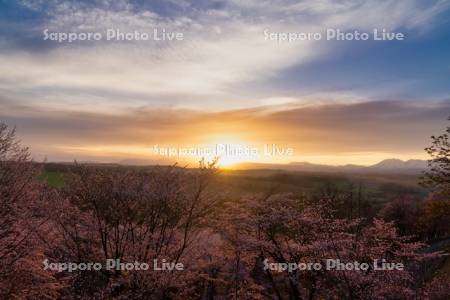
<point x="207" y="233"/>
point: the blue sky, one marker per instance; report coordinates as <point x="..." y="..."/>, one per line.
<point x="224" y="64"/>
<point x="417" y="68"/>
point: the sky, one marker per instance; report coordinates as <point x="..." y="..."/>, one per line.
<point x="332" y="102"/>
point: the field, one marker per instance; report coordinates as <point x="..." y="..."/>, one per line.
<point x="237" y="183"/>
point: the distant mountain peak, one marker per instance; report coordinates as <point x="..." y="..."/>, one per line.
<point x="394" y="163"/>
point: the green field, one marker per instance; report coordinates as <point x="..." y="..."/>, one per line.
<point x="53" y="178"/>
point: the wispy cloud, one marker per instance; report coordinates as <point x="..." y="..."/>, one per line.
<point x="224" y="48"/>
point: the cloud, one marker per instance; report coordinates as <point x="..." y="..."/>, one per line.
<point x="378" y="126"/>
<point x="72" y="100"/>
<point x="389" y="128"/>
<point x="224" y="48"/>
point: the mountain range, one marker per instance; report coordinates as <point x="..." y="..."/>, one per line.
<point x="412" y="166"/>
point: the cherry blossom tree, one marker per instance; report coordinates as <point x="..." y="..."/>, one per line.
<point x="21" y="218"/>
<point x="133" y="215"/>
<point x="282" y="229"/>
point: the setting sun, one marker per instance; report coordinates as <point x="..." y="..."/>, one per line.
<point x="229" y="161"/>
